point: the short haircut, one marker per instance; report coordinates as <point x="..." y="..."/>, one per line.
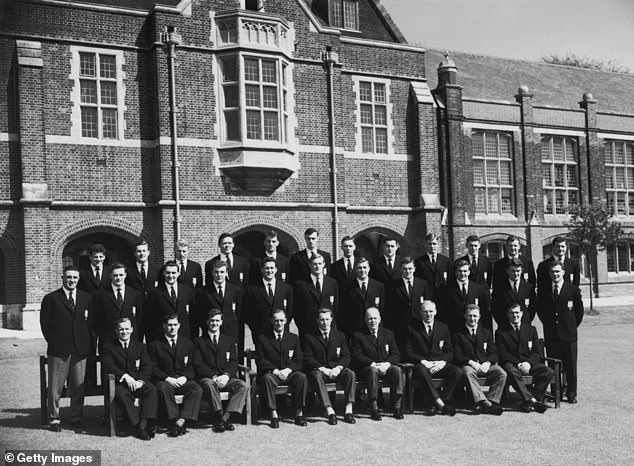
<point x="277" y="310"/>
<point x="267" y="260"/>
<point x="121" y="321"/>
<point x="141" y="242"/>
<point x="324" y="310"/>
<point x="310" y="231"/>
<point x="432" y="237"/>
<point x="315" y="257"/>
<point x="271" y="234"/>
<point x="170" y="263"/>
<point x="512" y="238"/>
<point x="389" y="238"/>
<point x="557" y="240"/>
<point x="217" y="263"/>
<point x="97" y="248"/>
<point x="407" y="260"/>
<point x="170" y="316"/>
<point x="70" y="268"/>
<point x="117" y="265"/>
<point x="471" y="238"/>
<point x="213" y="313"/>
<point x="472" y="307"/>
<point x="515" y="262"/>
<point x="361" y="260"/>
<point x="181" y="243"/>
<point x="460" y="263"/>
<point x="555" y="263"/>
<point x="514" y="306"/>
<point x="347" y="238"/>
<point x="223" y="236"/>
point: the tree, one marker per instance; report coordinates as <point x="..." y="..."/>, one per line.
<point x="581" y="61"/>
<point x="592" y="228"/>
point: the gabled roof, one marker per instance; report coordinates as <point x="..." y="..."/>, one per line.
<point x="495" y="78"/>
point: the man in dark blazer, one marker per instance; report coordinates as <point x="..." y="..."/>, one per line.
<point x="343" y="270"/>
<point x="66" y="320"/>
<point x="143" y="276"/>
<point x="375" y="356"/>
<point x="190" y="272"/>
<point x="429" y="349"/>
<point x="327" y="359"/>
<point x="513" y="252"/>
<point x="312" y="294"/>
<point x="560" y="308"/>
<point x="454" y="297"/>
<point x="518" y="353"/>
<point x="220" y="294"/>
<point x="404" y="298"/>
<point x="237" y="267"/>
<point x="432" y="266"/>
<point x="271" y="243"/>
<point x="572" y="270"/>
<point x="387" y="268"/>
<point x="279" y="360"/>
<point x="115" y="302"/>
<point x="216" y="364"/>
<point x="477" y="356"/>
<point x="299" y="264"/>
<point x="515" y="290"/>
<point x="170" y="297"/>
<point x="364" y="292"/>
<point x="173" y="361"/>
<point x="97" y="275"/>
<point x="265" y="295"/>
<point x="131" y="365"/>
<point x="480" y="266"/>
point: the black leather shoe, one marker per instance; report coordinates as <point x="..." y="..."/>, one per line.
<point x="174" y="431"/>
<point x="55" y="427"/>
<point x="332" y="419"/>
<point x="275" y="423"/>
<point x="219" y="427"/>
<point x="540" y="407"/>
<point x="572" y="400"/>
<point x="398" y="414"/>
<point x="448" y="410"/>
<point x="348" y="418"/>
<point x="495" y="410"/>
<point x="526" y="407"/>
<point x="142" y="434"/>
<point x="300" y="421"/>
<point x="375" y="415"/>
<point x="230" y="427"/>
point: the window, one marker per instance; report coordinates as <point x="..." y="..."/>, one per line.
<point x="254" y="98"/>
<point x="344" y="14"/>
<point x="97" y="93"/>
<point x="619" y="176"/>
<point x="373" y="116"/>
<point x="621" y="257"/>
<point x="560" y="180"/>
<point x="496" y="249"/>
<point x="493" y="172"/>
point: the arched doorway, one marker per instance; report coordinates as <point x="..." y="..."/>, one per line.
<point x="250" y="243"/>
<point x="370" y="243"/>
<point x="118" y="249"/>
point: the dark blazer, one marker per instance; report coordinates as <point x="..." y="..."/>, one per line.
<point x="380" y="271"/>
<point x="451" y="304"/>
<point x="421" y="346"/>
<point x="230" y="305"/>
<point x="159" y="305"/>
<point x="193" y="271"/>
<point x="307" y="301"/>
<point x="434" y="277"/>
<point x="352" y="317"/>
<point x="258" y="306"/>
<point x="299" y="266"/>
<point x="572" y="272"/>
<point x="271" y="355"/>
<point x="133" y="278"/>
<point x="282" y="268"/>
<point x="344" y="280"/>
<point x="107" y="312"/>
<point x="168" y="363"/>
<point x="89" y="284"/>
<point x="239" y="266"/>
<point x="500" y="275"/>
<point x="562" y="317"/>
<point x="400" y="306"/>
<point x="317" y="354"/>
<point x="210" y="362"/>
<point x="67" y="330"/>
<point x="513" y="350"/>
<point x="481" y="350"/>
<point x="483" y="273"/>
<point x="366" y="349"/>
<point x="136" y="362"/>
<point x="504" y="296"/>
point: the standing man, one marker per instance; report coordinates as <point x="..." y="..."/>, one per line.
<point x="343" y="270"/>
<point x="66" y="320"/>
<point x="128" y="360"/>
<point x="237" y="267"/>
<point x="271" y="243"/>
<point x="117" y="301"/>
<point x="480" y="266"/>
<point x="312" y="294"/>
<point x="216" y="363"/>
<point x="327" y="359"/>
<point x="143" y="276"/>
<point x="280" y="361"/>
<point x="515" y="290"/>
<point x="190" y="272"/>
<point x="560" y="308"/>
<point x="429" y="349"/>
<point x="518" y="351"/>
<point x="96" y="276"/>
<point x="299" y="265"/>
<point x="513" y="252"/>
<point x="432" y="266"/>
<point x="477" y="355"/>
<point x="365" y="292"/>
<point x="572" y="271"/>
<point x="375" y="357"/>
<point x="173" y="361"/>
<point x="387" y="269"/>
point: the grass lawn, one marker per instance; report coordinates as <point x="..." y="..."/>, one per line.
<point x="598" y="430"/>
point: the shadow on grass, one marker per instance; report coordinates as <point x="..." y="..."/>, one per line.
<point x="30" y="418"/>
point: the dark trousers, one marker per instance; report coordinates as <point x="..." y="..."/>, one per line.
<point x="297" y="382"/>
<point x="542" y="376"/>
<point x="346" y="377"/>
<point x="237" y="389"/>
<point x="450" y="374"/>
<point x="394" y="375"/>
<point x="147" y="398"/>
<point x="192" y="394"/>
<point x="567" y="352"/>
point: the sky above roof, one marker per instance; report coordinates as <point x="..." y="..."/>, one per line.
<point x="525" y="29"/>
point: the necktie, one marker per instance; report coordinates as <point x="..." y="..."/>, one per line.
<point x="71" y="301"/>
<point x="173" y="295"/>
<point x="173" y="345"/>
<point x="474" y="262"/>
<point x="228" y="263"/>
<point x="473" y="334"/>
<point x="143" y="274"/>
<point x="279" y="338"/>
<point x="389" y="265"/>
<point x="429" y="330"/>
<point x="220" y="295"/>
<point x="517" y="331"/>
<point x="348" y="268"/>
<point x="182" y="267"/>
<point x="119" y="298"/>
<point x="215" y="341"/>
<point x="515" y="288"/>
<point x="125" y="347"/>
<point x="326" y="338"/>
<point x="97" y="275"/>
<point x="364" y="288"/>
<point x="409" y="288"/>
<point x="433" y="262"/>
<point x="464" y="291"/>
<point x="556" y="292"/>
<point x="318" y="286"/>
<point x="270" y="292"/>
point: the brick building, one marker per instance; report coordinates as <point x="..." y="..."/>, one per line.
<point x="284" y="114"/>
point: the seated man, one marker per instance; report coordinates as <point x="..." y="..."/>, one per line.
<point x="216" y="365"/>
<point x="173" y="360"/>
<point x="519" y="355"/>
<point x="279" y="360"/>
<point x="476" y="354"/>
<point x="327" y="359"/>
<point x="429" y="349"/>
<point x="376" y="356"/>
<point x="128" y="360"/>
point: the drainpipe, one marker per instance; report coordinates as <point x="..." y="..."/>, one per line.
<point x="330" y="59"/>
<point x="171" y="39"/>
